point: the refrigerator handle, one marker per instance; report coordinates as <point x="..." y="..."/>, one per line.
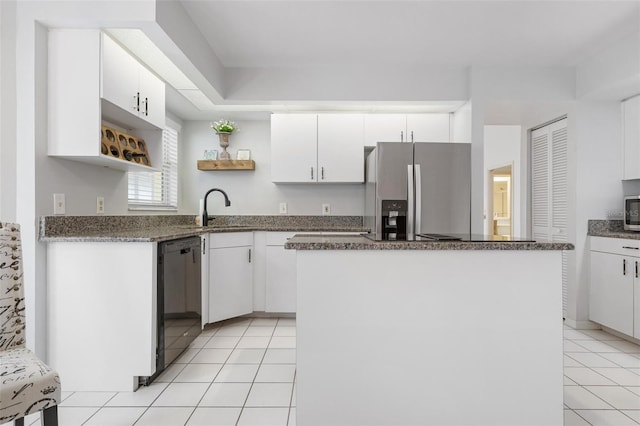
<point x="418" y="200"/>
<point x="410" y="199"/>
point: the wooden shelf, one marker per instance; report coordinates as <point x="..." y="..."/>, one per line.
<point x="226" y="165"/>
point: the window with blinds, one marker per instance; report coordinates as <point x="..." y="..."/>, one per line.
<point x="158" y="190"/>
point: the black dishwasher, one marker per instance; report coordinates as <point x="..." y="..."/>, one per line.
<point x="179" y="310"/>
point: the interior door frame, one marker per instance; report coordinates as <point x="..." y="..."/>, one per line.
<point x="489" y="195"/>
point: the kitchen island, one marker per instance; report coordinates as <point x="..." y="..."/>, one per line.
<point x="428" y="333"/>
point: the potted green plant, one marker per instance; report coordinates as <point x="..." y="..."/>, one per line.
<point x="224" y="128"/>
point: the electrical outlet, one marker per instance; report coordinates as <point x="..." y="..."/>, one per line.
<point x="283" y="208"/>
<point x="326" y="209"/>
<point x="59" y="204"/>
<point x="100" y="205"/>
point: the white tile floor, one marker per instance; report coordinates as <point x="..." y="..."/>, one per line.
<point x="601" y="379"/>
<point x="243" y="373"/>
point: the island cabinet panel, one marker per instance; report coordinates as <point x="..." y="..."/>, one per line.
<point x="614" y="290"/>
<point x="230" y="270"/>
<point x="442" y="316"/>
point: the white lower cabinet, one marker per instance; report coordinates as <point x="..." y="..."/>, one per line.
<point x="230" y="275"/>
<point x="280" y="282"/>
<point x="614" y="294"/>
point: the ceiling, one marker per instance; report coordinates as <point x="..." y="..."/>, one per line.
<point x="307" y="34"/>
<point x="296" y="33"/>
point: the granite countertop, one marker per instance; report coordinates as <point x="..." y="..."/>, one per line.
<point x="164" y="228"/>
<point x="610" y="229"/>
<point x="357" y="242"/>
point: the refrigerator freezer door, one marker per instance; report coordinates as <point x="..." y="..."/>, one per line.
<point x="443" y="204"/>
<point x="391" y="159"/>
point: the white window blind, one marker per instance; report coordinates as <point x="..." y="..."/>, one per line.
<point x="158" y="190"/>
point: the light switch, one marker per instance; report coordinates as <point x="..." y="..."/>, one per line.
<point x="100" y="205"/>
<point x="283" y="208"/>
<point x="326" y="209"/>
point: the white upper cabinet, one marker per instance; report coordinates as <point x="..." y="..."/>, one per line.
<point x="312" y="148"/>
<point x="93" y="81"/>
<point x="631" y="137"/>
<point x="384" y="128"/>
<point x="294" y="139"/>
<point x="340" y="148"/>
<point x="129" y="85"/>
<point x="404" y="127"/>
<point x="119" y="76"/>
<point x="428" y="127"/>
<point x="152" y="98"/>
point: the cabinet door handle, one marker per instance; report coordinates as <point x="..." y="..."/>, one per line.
<point x="146" y="106"/>
<point x="412" y="136"/>
<point x="401" y="136"/>
<point x="636" y="269"/>
<point x="322" y="172"/>
<point x="624" y="266"/>
<point x="137" y="98"/>
<point x="249" y="255"/>
<point x="632" y="248"/>
<point x="311" y="172"/>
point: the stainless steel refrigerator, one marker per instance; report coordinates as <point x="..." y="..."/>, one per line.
<point x="415" y="188"/>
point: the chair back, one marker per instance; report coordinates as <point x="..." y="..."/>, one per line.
<point x="12" y="326"/>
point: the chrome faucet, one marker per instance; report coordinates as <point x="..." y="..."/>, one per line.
<point x="205" y="215"/>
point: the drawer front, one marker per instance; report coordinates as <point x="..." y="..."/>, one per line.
<point x="230" y="239"/>
<point x="616" y="245"/>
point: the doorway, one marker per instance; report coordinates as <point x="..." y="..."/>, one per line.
<point x="501" y="202"/>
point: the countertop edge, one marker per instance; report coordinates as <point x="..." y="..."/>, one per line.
<point x="169" y="233"/>
<point x="362" y="243"/>
<point x="625" y="235"/>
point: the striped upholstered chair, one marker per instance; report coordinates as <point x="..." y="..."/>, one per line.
<point x="27" y="385"/>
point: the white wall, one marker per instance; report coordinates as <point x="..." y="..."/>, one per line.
<point x="252" y="192"/>
<point x="348" y="83"/>
<point x="8" y="163"/>
<point x="599" y="190"/>
<point x="502" y="148"/>
<point x="612" y="74"/>
<point x="461" y="126"/>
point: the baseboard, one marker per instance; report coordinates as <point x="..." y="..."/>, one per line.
<point x="582" y="325"/>
<point x="621" y="335"/>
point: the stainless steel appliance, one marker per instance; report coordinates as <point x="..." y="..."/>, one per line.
<point x="416" y="188"/>
<point x="179" y="309"/>
<point x="632" y="213"/>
